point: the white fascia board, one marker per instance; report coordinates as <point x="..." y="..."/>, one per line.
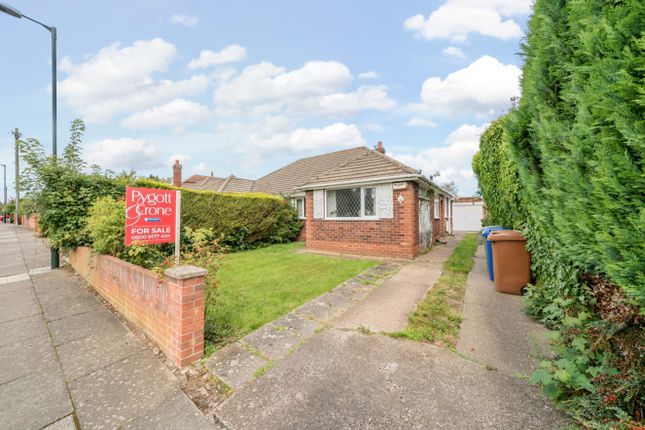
<point x="374" y="181"/>
<point x="366" y="181"/>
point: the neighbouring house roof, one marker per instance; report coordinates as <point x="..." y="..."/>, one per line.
<point x="469" y="200"/>
<point x="346" y="166"/>
<point x="230" y="184"/>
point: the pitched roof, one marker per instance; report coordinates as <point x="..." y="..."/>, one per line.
<point x="286" y="179"/>
<point x="230" y="184"/>
<point x="368" y="164"/>
<point x="194" y="179"/>
<point x="237" y="185"/>
<point x="339" y="166"/>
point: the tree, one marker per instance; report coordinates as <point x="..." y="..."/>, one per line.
<point x="451" y="187"/>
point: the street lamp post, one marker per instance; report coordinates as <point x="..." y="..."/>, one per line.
<point x="52" y="30"/>
<point x="4" y="187"/>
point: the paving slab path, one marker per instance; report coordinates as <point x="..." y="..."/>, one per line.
<point x="345" y="378"/>
<point x="68" y="362"/>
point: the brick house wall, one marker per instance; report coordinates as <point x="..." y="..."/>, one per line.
<point x="394" y="237"/>
<point x="440" y="225"/>
<point x="302" y="236"/>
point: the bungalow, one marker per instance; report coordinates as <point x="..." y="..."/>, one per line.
<point x="354" y="201"/>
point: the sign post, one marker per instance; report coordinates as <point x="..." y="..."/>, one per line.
<point x="152" y="216"/>
<point x="177" y="227"/>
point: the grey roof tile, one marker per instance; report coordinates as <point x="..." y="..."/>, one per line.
<point x="286" y="179"/>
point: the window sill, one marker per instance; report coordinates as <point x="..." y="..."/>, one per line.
<point x="365" y="218"/>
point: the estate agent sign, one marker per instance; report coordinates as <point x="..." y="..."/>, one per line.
<point x="152" y="216"/>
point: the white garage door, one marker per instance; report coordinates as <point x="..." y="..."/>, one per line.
<point x="468" y="216"/>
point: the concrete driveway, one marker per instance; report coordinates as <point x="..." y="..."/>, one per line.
<point x="344" y="379"/>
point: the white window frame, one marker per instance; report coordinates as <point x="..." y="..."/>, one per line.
<point x="363" y="217"/>
<point x="294" y="204"/>
<point x="436" y="208"/>
<point x="447" y="211"/>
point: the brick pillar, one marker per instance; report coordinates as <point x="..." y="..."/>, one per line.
<point x="186" y="309"/>
<point x="176" y="174"/>
<point x="309" y="216"/>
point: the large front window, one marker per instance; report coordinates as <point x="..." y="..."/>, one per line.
<point x="351" y="203"/>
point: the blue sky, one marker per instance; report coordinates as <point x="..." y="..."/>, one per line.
<point x="245" y="87"/>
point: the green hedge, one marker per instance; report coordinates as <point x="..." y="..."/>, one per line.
<point x="498" y="178"/>
<point x="579" y="135"/>
<point x="244" y="220"/>
<point x="571" y="158"/>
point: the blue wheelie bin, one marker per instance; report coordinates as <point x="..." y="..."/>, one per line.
<point x="489" y="248"/>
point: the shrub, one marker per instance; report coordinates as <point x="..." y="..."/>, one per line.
<point x="105" y="226"/>
<point x="106" y="229"/>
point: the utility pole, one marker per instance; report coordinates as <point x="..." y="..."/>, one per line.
<point x="17" y="135"/>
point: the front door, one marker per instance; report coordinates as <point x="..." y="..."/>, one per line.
<point x="425" y="224"/>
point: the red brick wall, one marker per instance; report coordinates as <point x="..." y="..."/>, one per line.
<point x="31" y="222"/>
<point x="395" y="237"/>
<point x="169" y="311"/>
<point x="440" y="225"/>
<point x="302" y="236"/>
<point x="442" y="215"/>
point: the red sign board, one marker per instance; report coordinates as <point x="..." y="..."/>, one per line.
<point x="150" y="215"/>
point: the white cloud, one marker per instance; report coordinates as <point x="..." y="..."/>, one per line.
<point x="119" y="79"/>
<point x="368" y="75"/>
<point x="185" y="20"/>
<point x="453" y="51"/>
<point x="338" y="135"/>
<point x="124" y="153"/>
<point x="455" y="19"/>
<point x="176" y="113"/>
<point x="484" y="87"/>
<point x="223" y="74"/>
<point x="346" y="104"/>
<point x="183" y="158"/>
<point x="199" y="168"/>
<point x="317" y="88"/>
<point x="207" y="58"/>
<point x="421" y="122"/>
<point x="266" y="83"/>
<point x="453" y="159"/>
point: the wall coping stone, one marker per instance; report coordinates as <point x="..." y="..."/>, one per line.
<point x="185" y="272"/>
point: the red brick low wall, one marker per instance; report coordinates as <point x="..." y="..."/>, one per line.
<point x="170" y="311"/>
<point x="30" y="222"/>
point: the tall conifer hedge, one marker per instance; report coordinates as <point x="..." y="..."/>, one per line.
<point x="567" y="167"/>
<point x="578" y="138"/>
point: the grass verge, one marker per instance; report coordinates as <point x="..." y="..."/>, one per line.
<point x="438" y="317"/>
<point x="258" y="286"/>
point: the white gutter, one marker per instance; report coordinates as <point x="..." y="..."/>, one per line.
<point x="377" y="180"/>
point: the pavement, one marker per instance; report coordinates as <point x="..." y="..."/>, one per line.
<point x="67" y="361"/>
<point x="494" y="331"/>
<point x="343" y="377"/>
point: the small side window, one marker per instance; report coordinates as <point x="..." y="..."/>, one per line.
<point x="298" y="204"/>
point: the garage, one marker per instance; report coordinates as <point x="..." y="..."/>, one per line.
<point x="468" y="213"/>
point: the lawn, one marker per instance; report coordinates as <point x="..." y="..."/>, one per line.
<point x="438" y="317"/>
<point x="256" y="287"/>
